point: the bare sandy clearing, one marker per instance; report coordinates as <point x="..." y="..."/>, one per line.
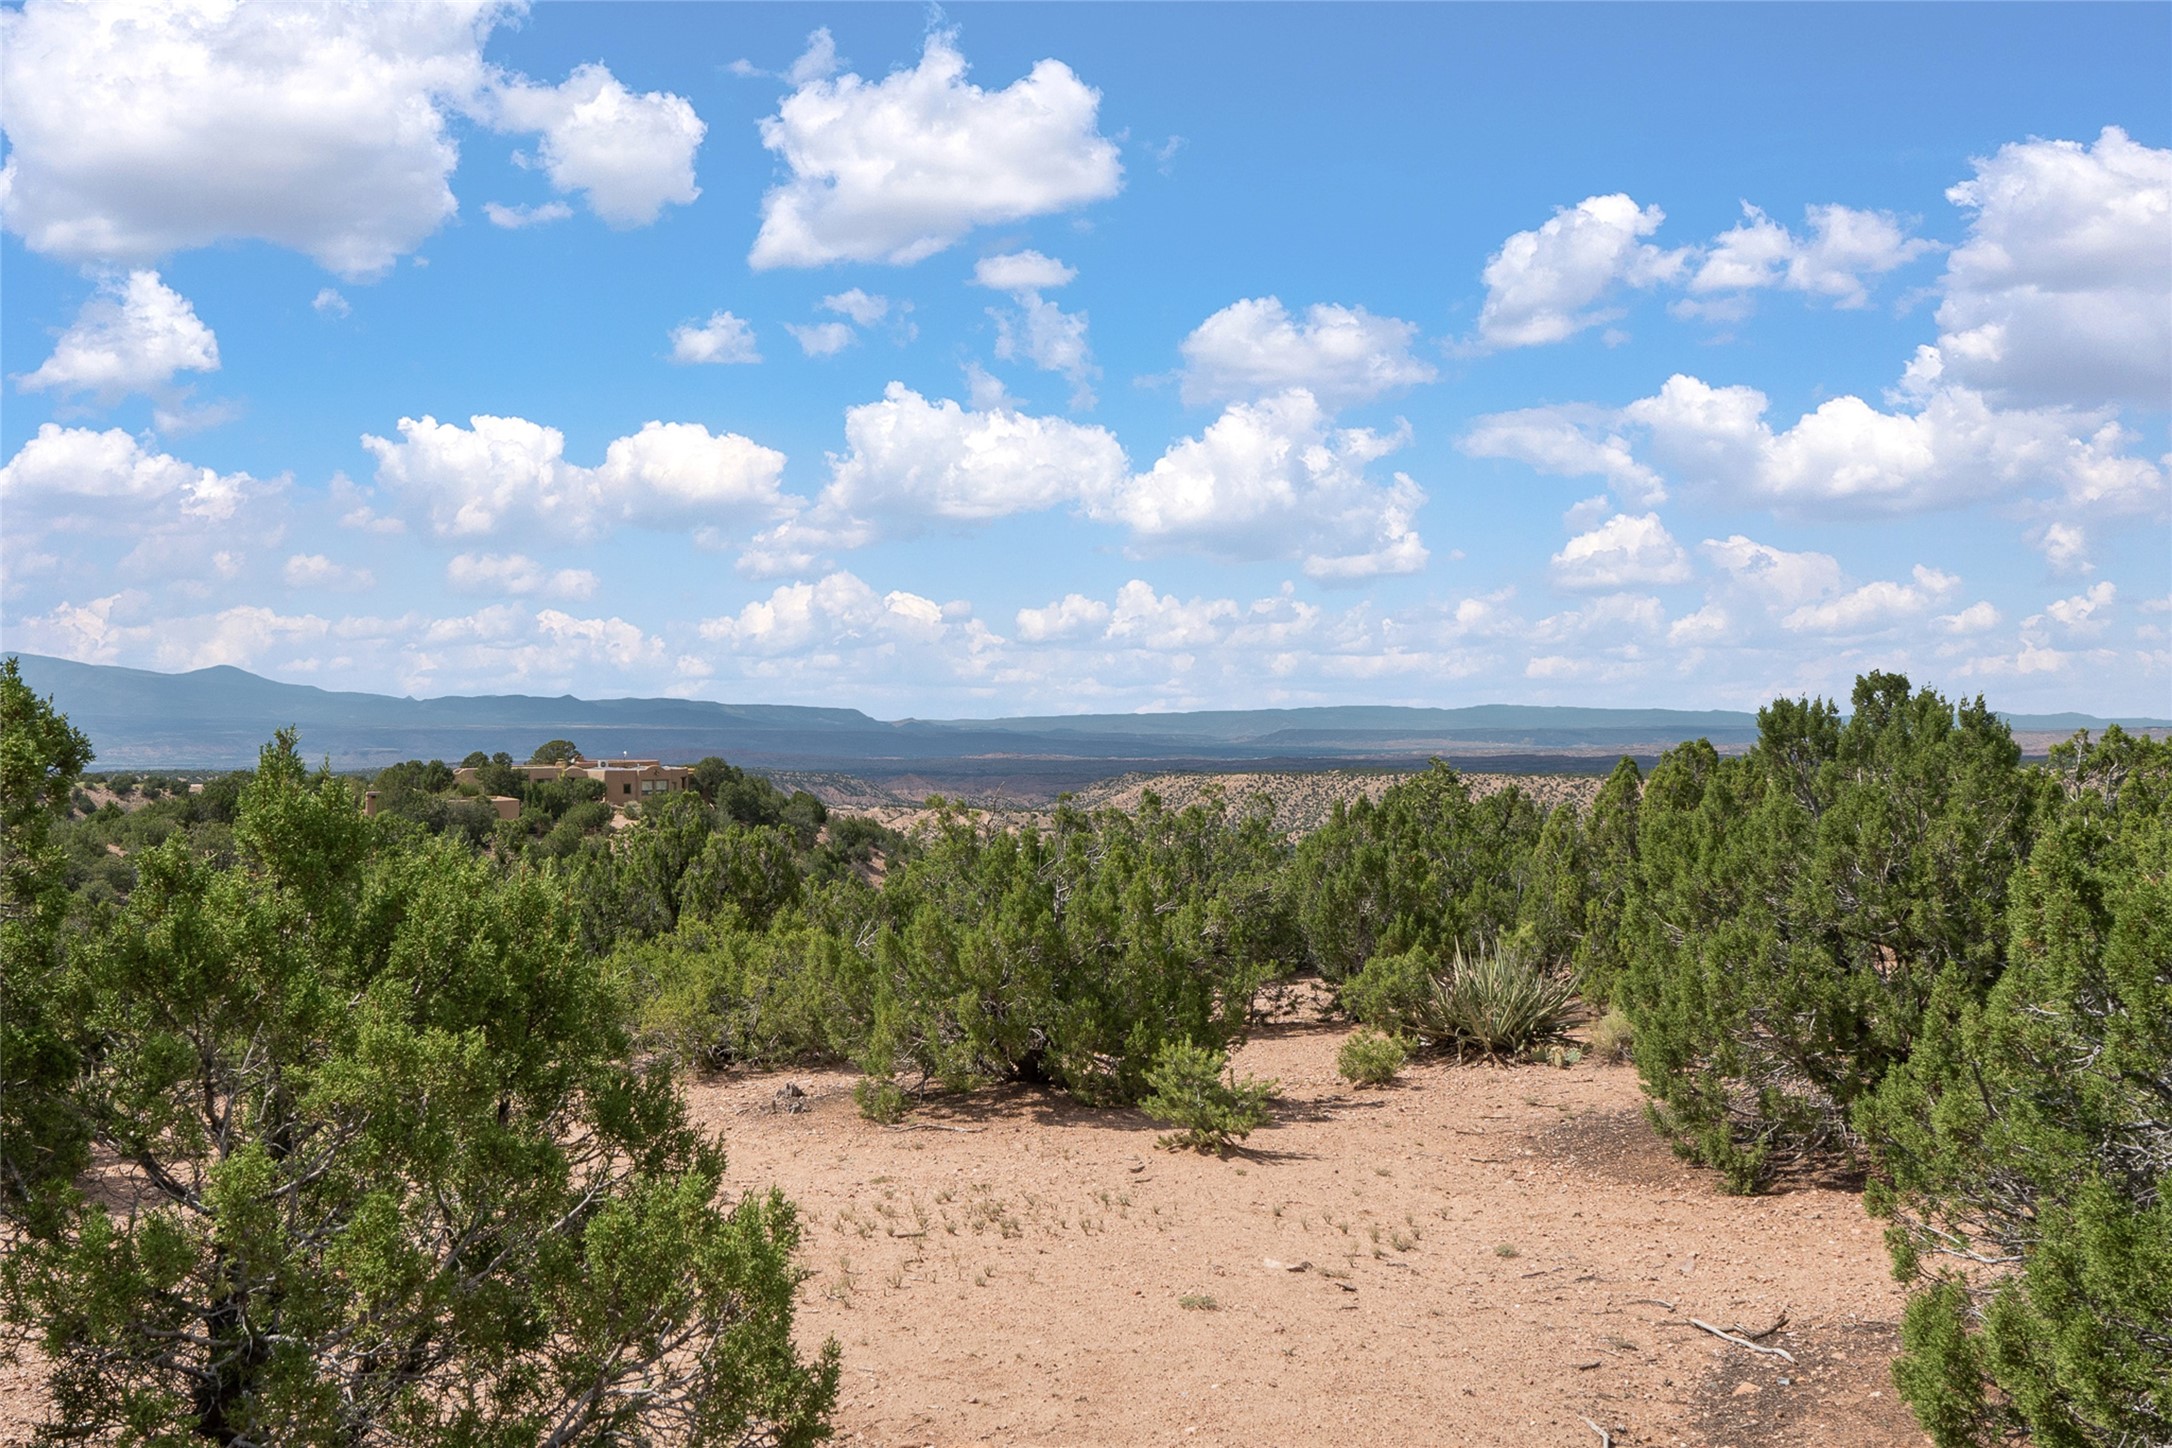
<point x="1466" y="1258"/>
<point x="1477" y="1256"/>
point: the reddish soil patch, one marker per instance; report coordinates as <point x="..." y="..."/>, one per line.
<point x="1480" y="1255"/>
<point x="1010" y="1268"/>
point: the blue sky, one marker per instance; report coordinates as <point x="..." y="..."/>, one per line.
<point x="1009" y="359"/>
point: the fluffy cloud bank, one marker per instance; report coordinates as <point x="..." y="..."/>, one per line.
<point x="837" y="612"/>
<point x="1268" y="480"/>
<point x="1623" y="552"/>
<point x="2062" y="292"/>
<point x="509" y="475"/>
<point x="898" y="169"/>
<point x="133" y="336"/>
<point x="1339" y="354"/>
<point x="72" y="474"/>
<point x="628" y="155"/>
<point x="1275" y="479"/>
<point x="1842" y="248"/>
<point x="1941" y="446"/>
<point x="134" y="133"/>
<point x="1549" y="284"/>
<point x="908" y="458"/>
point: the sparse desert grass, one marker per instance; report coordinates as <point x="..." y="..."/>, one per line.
<point x="1371" y="1058"/>
<point x="1612" y="1036"/>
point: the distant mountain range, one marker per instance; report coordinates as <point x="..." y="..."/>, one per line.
<point x="220" y="717"/>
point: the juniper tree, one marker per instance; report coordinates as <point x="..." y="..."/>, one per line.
<point x="41" y="758"/>
<point x="1796" y="908"/>
<point x="370" y="1169"/>
<point x="2025" y="1148"/>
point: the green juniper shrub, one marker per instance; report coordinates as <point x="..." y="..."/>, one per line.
<point x="1609" y="856"/>
<point x="1425" y="867"/>
<point x="880" y="1100"/>
<point x="1391" y="992"/>
<point x="397" y="1182"/>
<point x="43" y="1142"/>
<point x="1192" y="1088"/>
<point x="1070" y="956"/>
<point x="752" y="871"/>
<point x="853" y="844"/>
<point x="719" y="991"/>
<point x="1554" y="903"/>
<point x="1797" y="907"/>
<point x="1371" y="1058"/>
<point x="2024" y="1159"/>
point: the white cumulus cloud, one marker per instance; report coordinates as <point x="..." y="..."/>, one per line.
<point x="859" y="305"/>
<point x="1022" y="271"/>
<point x="1339" y="354"/>
<point x="898" y="169"/>
<point x="1051" y="338"/>
<point x="1069" y="617"/>
<point x="724" y="338"/>
<point x="353" y="101"/>
<point x="510" y="475"/>
<point x="1625" y="551"/>
<point x="75" y="471"/>
<point x="1976" y="618"/>
<point x="516" y="575"/>
<point x="1772" y="576"/>
<point x="133" y="336"/>
<point x="822" y="339"/>
<point x="2080" y="614"/>
<point x="836" y="611"/>
<point x="2062" y="292"/>
<point x="517" y="218"/>
<point x="628" y="155"/>
<point x="1569" y="441"/>
<point x="134" y="132"/>
<point x="1874" y="607"/>
<point x="1274" y="479"/>
<point x="1938" y="446"/>
<point x="1549" y="284"/>
<point x="907" y="457"/>
<point x="1841" y="252"/>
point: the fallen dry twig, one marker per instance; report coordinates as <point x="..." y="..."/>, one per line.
<point x="1724" y="1334"/>
<point x="1761" y="1336"/>
<point x="1606" y="1439"/>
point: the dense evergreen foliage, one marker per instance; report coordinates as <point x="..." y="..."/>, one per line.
<point x="1794" y="909"/>
<point x="371" y="1165"/>
<point x="1877" y="942"/>
<point x="2027" y="1141"/>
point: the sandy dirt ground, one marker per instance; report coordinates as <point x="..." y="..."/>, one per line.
<point x="1480" y="1255"/>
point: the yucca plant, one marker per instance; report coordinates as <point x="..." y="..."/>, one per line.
<point x="1498" y="1002"/>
